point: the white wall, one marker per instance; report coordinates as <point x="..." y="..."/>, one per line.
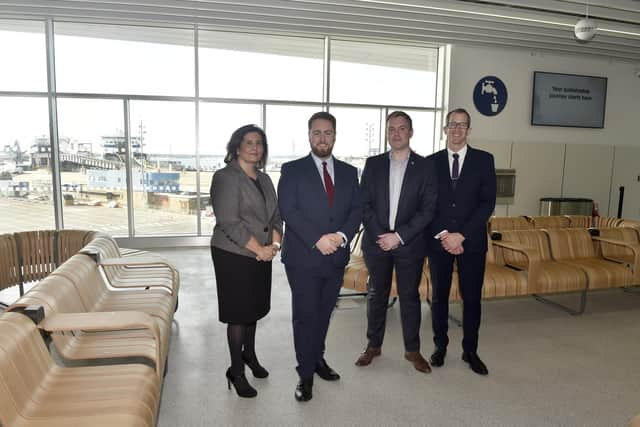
<point x="588" y="165"/>
<point x="515" y="69"/>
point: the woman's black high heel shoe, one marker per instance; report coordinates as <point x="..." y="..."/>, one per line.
<point x="257" y="369"/>
<point x="240" y="383"/>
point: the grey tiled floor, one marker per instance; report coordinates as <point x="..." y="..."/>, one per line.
<point x="546" y="368"/>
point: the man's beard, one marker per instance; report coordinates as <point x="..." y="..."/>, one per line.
<point x="321" y="151"/>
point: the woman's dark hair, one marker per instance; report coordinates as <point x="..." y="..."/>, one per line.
<point x="236" y="138"/>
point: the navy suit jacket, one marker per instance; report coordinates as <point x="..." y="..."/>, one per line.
<point x="467" y="208"/>
<point x="416" y="206"/>
<point x="304" y="207"/>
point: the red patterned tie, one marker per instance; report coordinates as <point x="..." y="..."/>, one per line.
<point x="328" y="184"/>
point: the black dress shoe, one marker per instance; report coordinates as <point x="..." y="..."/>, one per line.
<point x="475" y="363"/>
<point x="325" y="372"/>
<point x="257" y="369"/>
<point x="304" y="390"/>
<point x="240" y="383"/>
<point x="437" y="358"/>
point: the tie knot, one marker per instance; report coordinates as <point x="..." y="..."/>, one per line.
<point x="456" y="155"/>
<point x="324" y="164"/>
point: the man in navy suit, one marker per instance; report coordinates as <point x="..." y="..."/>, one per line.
<point x="319" y="201"/>
<point x="466" y="200"/>
<point x="399" y="195"/>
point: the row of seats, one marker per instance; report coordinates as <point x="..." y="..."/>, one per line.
<point x="541" y="261"/>
<point x="572" y="259"/>
<point x="29" y="256"/>
<point x="502" y="223"/>
<point x="96" y="306"/>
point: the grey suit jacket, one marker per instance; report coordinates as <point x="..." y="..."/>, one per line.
<point x="240" y="210"/>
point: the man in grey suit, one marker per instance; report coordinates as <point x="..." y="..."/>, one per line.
<point x="399" y="195"/>
<point x="320" y="203"/>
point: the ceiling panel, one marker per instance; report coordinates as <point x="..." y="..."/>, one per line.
<point x="545" y="25"/>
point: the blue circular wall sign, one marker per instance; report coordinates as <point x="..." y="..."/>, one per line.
<point x="490" y="96"/>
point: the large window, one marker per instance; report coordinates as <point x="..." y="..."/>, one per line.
<point x="164" y="167"/>
<point x="124" y="59"/>
<point x="93" y="165"/>
<point x="22" y="49"/>
<point x="126" y="97"/>
<point x="383" y="74"/>
<point x="26" y="194"/>
<point x="246" y="66"/>
<point x="358" y="134"/>
<point x="288" y="135"/>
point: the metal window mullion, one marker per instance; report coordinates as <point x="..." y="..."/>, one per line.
<point x="438" y="101"/>
<point x="263" y="123"/>
<point x="325" y="75"/>
<point x="263" y="116"/>
<point x="196" y="59"/>
<point x="383" y="126"/>
<point x="128" y="167"/>
<point x="54" y="144"/>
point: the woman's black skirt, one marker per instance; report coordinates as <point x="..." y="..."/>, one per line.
<point x="244" y="286"/>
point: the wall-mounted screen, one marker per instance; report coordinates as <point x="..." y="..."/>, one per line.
<point x="568" y="100"/>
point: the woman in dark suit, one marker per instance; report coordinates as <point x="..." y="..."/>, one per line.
<point x="245" y="239"/>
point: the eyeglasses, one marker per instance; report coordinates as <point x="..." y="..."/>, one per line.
<point x="457" y="125"/>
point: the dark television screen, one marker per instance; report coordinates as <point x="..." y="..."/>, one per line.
<point x="568" y="100"/>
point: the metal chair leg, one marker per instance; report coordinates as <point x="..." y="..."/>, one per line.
<point x="392" y="303"/>
<point x="581" y="308"/>
<point x="455" y="320"/>
<point x="353" y="294"/>
<point x="632" y="289"/>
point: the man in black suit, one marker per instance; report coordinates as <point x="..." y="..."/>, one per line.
<point x="319" y="201"/>
<point x="399" y="195"/>
<point x="466" y="200"/>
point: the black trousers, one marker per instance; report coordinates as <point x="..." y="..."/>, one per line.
<point x="313" y="296"/>
<point x="471" y="268"/>
<point x="408" y="274"/>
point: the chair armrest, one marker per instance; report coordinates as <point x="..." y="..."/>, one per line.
<point x="140" y="261"/>
<point x="533" y="260"/>
<point x="532" y="255"/>
<point x="633" y="247"/>
<point x="104" y="321"/>
<point x="136" y="261"/>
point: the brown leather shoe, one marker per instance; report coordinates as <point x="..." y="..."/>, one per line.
<point x="367" y="356"/>
<point x="418" y="361"/>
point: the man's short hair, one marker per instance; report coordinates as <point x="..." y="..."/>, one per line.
<point x="403" y="115"/>
<point x="456" y="111"/>
<point x="323" y="115"/>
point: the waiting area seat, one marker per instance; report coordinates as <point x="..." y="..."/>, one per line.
<point x="576" y="247"/>
<point x="10" y="271"/>
<point x="529" y="251"/>
<point x="580" y="221"/>
<point x="501" y="223"/>
<point x="60" y="297"/>
<point x="500" y="281"/>
<point x="38" y="392"/>
<point x="120" y="317"/>
<point x="622" y="245"/>
<point x="548" y="222"/>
